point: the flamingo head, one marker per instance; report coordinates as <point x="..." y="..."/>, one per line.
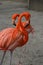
<point x="14" y="16"/>
<point x="27" y="25"/>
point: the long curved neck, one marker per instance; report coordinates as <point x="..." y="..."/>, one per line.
<point x="19" y="19"/>
<point x="21" y="15"/>
<point x="22" y="29"/>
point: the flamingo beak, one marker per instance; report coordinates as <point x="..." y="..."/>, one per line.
<point x="13" y="22"/>
<point x="31" y="28"/>
<point x="27" y="23"/>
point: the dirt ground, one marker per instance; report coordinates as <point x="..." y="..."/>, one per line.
<point x="32" y="52"/>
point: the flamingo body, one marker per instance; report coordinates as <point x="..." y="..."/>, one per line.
<point x="11" y="38"/>
<point x="6" y="37"/>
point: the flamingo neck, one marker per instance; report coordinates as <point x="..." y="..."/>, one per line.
<point x="19" y="19"/>
<point x="22" y="29"/>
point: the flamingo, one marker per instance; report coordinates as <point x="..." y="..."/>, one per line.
<point x="2" y="33"/>
<point x="11" y="38"/>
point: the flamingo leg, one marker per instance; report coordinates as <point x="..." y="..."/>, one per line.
<point x="11" y="52"/>
<point x="3" y="57"/>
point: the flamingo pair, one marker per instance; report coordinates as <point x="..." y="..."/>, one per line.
<point x="11" y="38"/>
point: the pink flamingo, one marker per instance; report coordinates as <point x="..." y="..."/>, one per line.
<point x="3" y="37"/>
<point x="11" y="38"/>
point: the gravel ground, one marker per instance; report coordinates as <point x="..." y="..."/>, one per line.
<point x="32" y="52"/>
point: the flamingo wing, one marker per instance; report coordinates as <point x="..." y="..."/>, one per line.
<point x="6" y="38"/>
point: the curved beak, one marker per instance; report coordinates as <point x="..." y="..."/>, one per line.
<point x="27" y="23"/>
<point x="13" y="22"/>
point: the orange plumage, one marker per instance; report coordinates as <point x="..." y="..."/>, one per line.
<point x="11" y="38"/>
